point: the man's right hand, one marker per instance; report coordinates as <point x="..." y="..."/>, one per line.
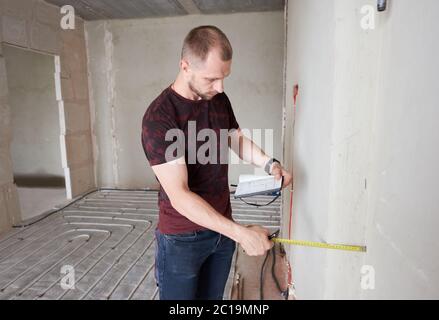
<point x="254" y="240"/>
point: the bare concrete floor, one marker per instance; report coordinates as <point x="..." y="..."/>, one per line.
<point x="108" y="239"/>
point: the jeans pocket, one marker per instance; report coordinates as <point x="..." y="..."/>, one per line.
<point x="181" y="237"/>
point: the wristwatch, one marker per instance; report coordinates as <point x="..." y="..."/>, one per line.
<point x="269" y="163"/>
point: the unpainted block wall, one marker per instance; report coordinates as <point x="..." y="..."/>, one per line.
<point x="132" y="61"/>
<point x="35" y="25"/>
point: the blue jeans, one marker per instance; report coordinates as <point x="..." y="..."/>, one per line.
<point x="192" y="265"/>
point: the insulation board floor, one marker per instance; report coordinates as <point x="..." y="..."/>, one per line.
<point x="105" y="241"/>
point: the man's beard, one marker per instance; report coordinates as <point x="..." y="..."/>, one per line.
<point x="199" y="93"/>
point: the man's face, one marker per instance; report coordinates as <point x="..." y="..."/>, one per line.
<point x="206" y="79"/>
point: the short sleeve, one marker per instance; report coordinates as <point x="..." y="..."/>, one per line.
<point x="162" y="140"/>
<point x="233" y="124"/>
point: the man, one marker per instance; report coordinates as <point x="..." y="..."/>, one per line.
<point x="196" y="234"/>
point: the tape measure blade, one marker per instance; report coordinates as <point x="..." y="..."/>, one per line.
<point x="321" y="245"/>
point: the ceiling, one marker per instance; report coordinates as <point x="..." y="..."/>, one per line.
<point x="131" y="9"/>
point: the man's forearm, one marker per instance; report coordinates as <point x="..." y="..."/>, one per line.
<point x="196" y="209"/>
<point x="252" y="153"/>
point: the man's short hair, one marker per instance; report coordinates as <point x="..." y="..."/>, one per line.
<point x="202" y="39"/>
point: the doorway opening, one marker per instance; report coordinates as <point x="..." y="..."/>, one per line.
<point x="37" y="124"/>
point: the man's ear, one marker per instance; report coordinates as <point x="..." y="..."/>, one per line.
<point x="184" y="65"/>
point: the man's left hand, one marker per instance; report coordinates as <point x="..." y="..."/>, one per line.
<point x="278" y="171"/>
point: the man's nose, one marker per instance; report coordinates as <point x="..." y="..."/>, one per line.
<point x="219" y="86"/>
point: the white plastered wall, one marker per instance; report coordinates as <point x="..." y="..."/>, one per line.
<point x="366" y="149"/>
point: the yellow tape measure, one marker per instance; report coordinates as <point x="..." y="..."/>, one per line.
<point x="321" y="245"/>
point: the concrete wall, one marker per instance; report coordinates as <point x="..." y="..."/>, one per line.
<point x="35" y="25"/>
<point x="310" y="62"/>
<point x="35" y="146"/>
<point x="132" y="61"/>
<point x="366" y="149"/>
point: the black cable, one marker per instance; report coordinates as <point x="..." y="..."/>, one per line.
<point x="261" y="287"/>
<point x="283" y="293"/>
<point x="273" y="274"/>
<point x="260" y="205"/>
<point x="76" y="200"/>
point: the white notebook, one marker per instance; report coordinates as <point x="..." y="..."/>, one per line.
<point x="251" y="185"/>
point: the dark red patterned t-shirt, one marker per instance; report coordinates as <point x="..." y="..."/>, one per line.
<point x="209" y="180"/>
